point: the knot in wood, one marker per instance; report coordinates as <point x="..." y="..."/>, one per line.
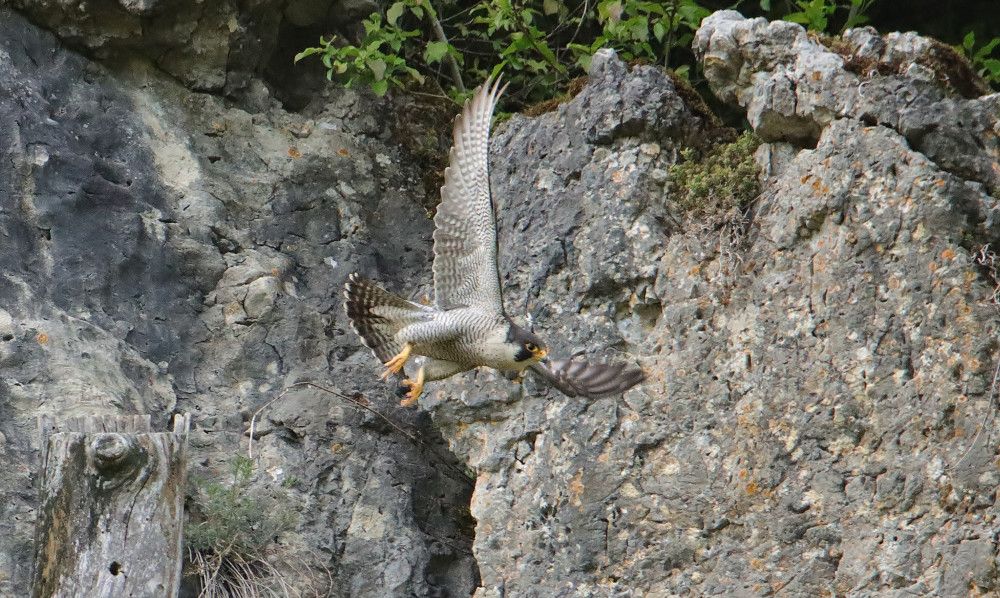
<point x="111" y="452"/>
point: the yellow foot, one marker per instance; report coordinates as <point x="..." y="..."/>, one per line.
<point x="394" y="365"/>
<point x="416" y="387"/>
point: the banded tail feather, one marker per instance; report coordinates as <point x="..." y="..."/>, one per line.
<point x="376" y="315"/>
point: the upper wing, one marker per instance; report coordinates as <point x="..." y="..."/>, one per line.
<point x="591" y="380"/>
<point x="465" y="230"/>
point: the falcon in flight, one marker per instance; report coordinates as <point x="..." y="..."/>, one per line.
<point x="467" y="326"/>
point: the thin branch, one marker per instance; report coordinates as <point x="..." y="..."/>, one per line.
<point x="986" y="418"/>
<point x="456" y="72"/>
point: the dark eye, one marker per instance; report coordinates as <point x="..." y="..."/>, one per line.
<point x="531" y="347"/>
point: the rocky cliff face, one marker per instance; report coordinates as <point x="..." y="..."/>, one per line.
<point x="819" y="409"/>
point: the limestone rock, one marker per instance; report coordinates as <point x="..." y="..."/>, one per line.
<point x="793" y="84"/>
<point x="133" y="214"/>
<point x="816" y="389"/>
<point x="820" y="366"/>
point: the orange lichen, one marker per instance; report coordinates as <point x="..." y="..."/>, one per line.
<point x="576" y="489"/>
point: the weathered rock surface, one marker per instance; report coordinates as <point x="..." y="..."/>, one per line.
<point x="818" y="384"/>
<point x="216" y="46"/>
<point x="812" y="420"/>
<point x="793" y="84"/>
<point x="163" y="252"/>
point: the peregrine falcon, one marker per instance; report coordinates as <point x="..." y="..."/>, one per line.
<point x="467" y="326"/>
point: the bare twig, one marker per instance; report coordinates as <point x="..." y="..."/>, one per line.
<point x="987" y="258"/>
<point x="986" y="418"/>
<point x="456" y="72"/>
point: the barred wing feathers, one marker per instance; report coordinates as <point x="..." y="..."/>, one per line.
<point x="465" y="235"/>
<point x="587" y="379"/>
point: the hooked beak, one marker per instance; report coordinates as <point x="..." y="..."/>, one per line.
<point x="540" y="353"/>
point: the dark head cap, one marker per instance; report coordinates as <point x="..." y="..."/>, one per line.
<point x="529" y="346"/>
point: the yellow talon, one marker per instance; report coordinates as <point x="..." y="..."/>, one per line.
<point x="394" y="365"/>
<point x="416" y="387"/>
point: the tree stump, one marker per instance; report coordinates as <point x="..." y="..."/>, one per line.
<point x="112" y="508"/>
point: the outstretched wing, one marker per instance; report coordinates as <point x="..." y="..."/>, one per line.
<point x="592" y="380"/>
<point x="465" y="233"/>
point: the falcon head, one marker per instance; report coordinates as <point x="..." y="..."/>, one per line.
<point x="527" y="348"/>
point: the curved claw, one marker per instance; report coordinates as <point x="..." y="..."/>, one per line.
<point x="413" y="388"/>
<point x="395" y="365"/>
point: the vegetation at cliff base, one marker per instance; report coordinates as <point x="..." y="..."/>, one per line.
<point x="233" y="536"/>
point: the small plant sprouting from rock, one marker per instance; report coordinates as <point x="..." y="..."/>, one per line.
<point x="981" y="57"/>
<point x="723" y="179"/>
<point x="717" y="191"/>
<point x="816" y="14"/>
<point x="233" y="538"/>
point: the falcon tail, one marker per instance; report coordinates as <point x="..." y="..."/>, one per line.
<point x="376" y="315"/>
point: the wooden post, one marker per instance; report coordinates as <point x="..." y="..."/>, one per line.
<point x="112" y="508"/>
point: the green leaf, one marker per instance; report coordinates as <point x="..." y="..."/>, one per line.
<point x="414" y="74"/>
<point x="797" y="17"/>
<point x="969" y="41"/>
<point x="609" y="10"/>
<point x="380" y="87"/>
<point x="306" y="52"/>
<point x="435" y="51"/>
<point x="649" y="8"/>
<point x="395" y="11"/>
<point x="692" y="14"/>
<point x="639" y="29"/>
<point x="659" y="30"/>
<point x="372" y="24"/>
<point x="550" y="7"/>
<point x="377" y="67"/>
<point x="498" y="69"/>
<point x="417" y="11"/>
<point x="992" y="66"/>
<point x="545" y="51"/>
<point x="985" y="51"/>
<point x="765" y="5"/>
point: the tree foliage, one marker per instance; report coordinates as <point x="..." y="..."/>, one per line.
<point x="542" y="45"/>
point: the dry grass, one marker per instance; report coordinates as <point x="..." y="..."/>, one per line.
<point x="234" y="539"/>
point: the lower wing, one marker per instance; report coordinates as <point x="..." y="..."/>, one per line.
<point x="586" y="379"/>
